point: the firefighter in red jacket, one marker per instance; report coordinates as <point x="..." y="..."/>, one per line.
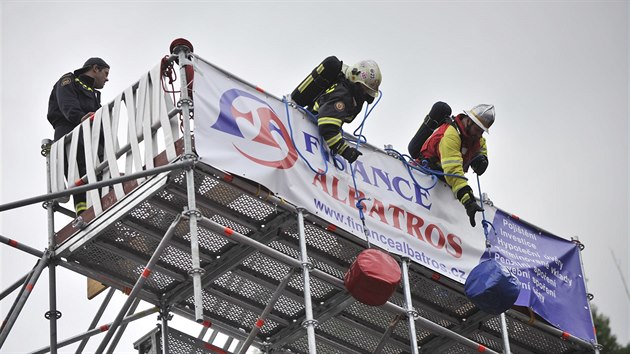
<point x="458" y="145"/>
<point x="343" y="101"/>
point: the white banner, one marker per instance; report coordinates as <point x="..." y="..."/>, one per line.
<point x="248" y="133"/>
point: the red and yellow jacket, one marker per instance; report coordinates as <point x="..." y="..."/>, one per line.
<point x="451" y="149"/>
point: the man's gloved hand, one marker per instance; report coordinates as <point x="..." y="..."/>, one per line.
<point x="467" y="198"/>
<point x="479" y="164"/>
<point x="471" y="208"/>
<point x="351" y="154"/>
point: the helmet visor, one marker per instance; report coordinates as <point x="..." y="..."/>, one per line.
<point x="368" y="90"/>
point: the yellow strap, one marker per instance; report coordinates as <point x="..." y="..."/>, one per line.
<point x="84" y="85"/>
<point x="305" y="83"/>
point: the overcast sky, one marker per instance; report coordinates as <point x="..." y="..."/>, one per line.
<point x="557" y="72"/>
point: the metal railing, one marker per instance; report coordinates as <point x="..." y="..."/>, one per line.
<point x="123" y="137"/>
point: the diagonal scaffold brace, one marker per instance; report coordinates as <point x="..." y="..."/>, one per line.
<point x="98" y="330"/>
<point x="146" y="273"/>
<point x="22" y="297"/>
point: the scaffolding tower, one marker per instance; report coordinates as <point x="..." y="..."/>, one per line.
<point x="226" y="252"/>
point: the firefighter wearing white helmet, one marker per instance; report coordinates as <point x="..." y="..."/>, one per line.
<point x="368" y="74"/>
<point x="343" y="101"/>
<point x="457" y="145"/>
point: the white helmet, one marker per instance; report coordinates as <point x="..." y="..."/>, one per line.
<point x="482" y="115"/>
<point x="367" y="73"/>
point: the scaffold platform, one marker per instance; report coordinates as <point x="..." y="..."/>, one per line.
<point x="240" y="279"/>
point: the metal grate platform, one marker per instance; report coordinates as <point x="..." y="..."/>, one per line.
<point x="239" y="280"/>
<point x="178" y="343"/>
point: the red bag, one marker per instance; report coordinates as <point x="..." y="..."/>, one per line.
<point x="373" y="277"/>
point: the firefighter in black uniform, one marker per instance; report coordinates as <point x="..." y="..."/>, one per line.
<point x="74" y="98"/>
<point x="343" y="101"/>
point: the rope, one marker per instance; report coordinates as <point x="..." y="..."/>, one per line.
<point x="321" y="147"/>
<point x="423" y="168"/>
<point x="362" y="139"/>
<point x="486" y="224"/>
<point x="167" y="70"/>
<point x="405" y="159"/>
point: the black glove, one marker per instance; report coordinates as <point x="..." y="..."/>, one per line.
<point x="467" y="198"/>
<point x="351" y="154"/>
<point x="479" y="164"/>
<point x="471" y="208"/>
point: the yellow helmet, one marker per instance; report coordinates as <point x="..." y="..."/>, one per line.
<point x="368" y="74"/>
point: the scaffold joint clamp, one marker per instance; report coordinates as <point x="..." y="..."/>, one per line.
<point x="412" y="313"/>
<point x="78" y="223"/>
<point x="187" y="101"/>
<point x="307" y="323"/>
<point x="308" y="265"/>
<point x="52" y="314"/>
<point x="194" y="271"/>
<point x="194" y="212"/>
<point x="46" y="145"/>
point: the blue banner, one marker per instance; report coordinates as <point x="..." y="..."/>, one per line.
<point x="552" y="283"/>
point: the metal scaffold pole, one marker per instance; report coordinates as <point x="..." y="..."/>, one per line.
<point x="165" y="316"/>
<point x="146" y="273"/>
<point x="411" y="313"/>
<point x="96" y="185"/>
<point x="122" y="328"/>
<point x="98" y="330"/>
<point x="52" y="315"/>
<point x="183" y="49"/>
<point x="22" y="297"/>
<point x="261" y="320"/>
<point x="504" y="334"/>
<point x="97" y="317"/>
<point x="310" y="323"/>
<point x="15" y="285"/>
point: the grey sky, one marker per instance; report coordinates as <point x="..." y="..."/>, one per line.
<point x="557" y="72"/>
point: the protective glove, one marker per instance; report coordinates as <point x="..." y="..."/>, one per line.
<point x="351" y="154"/>
<point x="471" y="208"/>
<point x="479" y="164"/>
<point x="467" y="198"/>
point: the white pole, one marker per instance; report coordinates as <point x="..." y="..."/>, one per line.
<point x="309" y="323"/>
<point x="411" y="313"/>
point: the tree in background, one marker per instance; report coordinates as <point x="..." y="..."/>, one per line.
<point x="605" y="337"/>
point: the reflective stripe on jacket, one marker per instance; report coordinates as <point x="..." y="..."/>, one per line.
<point x="451" y="149"/>
<point x="70" y="99"/>
<point x="341" y="103"/>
